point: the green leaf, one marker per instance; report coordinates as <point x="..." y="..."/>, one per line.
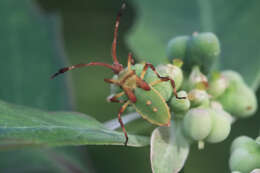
<point x="21" y="126"/>
<point x="232" y="21"/>
<point x="169" y="149"/>
<point x="30" y="49"/>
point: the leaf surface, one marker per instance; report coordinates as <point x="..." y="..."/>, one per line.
<point x="169" y="149"/>
<point x="21" y="126"/>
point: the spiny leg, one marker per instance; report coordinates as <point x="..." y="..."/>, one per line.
<point x="122" y="109"/>
<point x="161" y="79"/>
<point x="142" y="84"/>
<point x="65" y="69"/>
<point x="119" y="14"/>
<point x="130" y="61"/>
<point x="130" y="94"/>
<point x="115" y="98"/>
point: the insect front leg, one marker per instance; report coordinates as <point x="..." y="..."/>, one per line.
<point x="122" y="109"/>
<point x="115" y="98"/>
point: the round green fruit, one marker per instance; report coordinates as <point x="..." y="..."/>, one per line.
<point x="197" y="123"/>
<point x="198" y="97"/>
<point x="217" y="85"/>
<point x="246" y="158"/>
<point x="164" y="88"/>
<point x="203" y="50"/>
<point x="220" y="127"/>
<point x="177" y="48"/>
<point x="239" y="100"/>
<point x="240" y="142"/>
<point x="172" y="71"/>
<point x="179" y="105"/>
<point x="197" y="80"/>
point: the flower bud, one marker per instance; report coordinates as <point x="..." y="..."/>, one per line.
<point x="221" y="126"/>
<point x="245" y="158"/>
<point x="164" y="88"/>
<point x="172" y="71"/>
<point x="198" y="98"/>
<point x="197" y="123"/>
<point x="177" y="47"/>
<point x="239" y="100"/>
<point x="197" y="79"/>
<point x="179" y="105"/>
<point x="240" y="141"/>
<point x="217" y="85"/>
<point x="203" y="50"/>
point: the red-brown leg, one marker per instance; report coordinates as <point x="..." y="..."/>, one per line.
<point x="116" y="69"/>
<point x="115" y="98"/>
<point x="161" y="79"/>
<point x="130" y="94"/>
<point x="142" y="84"/>
<point x="130" y="61"/>
<point x="122" y="109"/>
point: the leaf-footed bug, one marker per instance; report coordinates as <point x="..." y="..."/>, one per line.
<point x="146" y="100"/>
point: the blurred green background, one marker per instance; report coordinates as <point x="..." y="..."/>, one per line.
<point x="85" y="29"/>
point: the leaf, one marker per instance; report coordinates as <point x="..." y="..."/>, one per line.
<point x="45" y="160"/>
<point x="22" y="126"/>
<point x="31" y="51"/>
<point x="233" y="22"/>
<point x="169" y="149"/>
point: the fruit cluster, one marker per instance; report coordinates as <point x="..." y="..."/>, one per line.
<point x="213" y="99"/>
<point x="245" y="155"/>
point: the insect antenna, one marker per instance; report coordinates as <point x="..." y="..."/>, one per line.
<point x="116" y="66"/>
<point x="116" y="69"/>
<point x="114" y="43"/>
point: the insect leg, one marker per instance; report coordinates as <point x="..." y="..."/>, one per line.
<point x="130" y="61"/>
<point x="130" y="94"/>
<point x="142" y="84"/>
<point x="115" y="98"/>
<point x="162" y="79"/>
<point x="122" y="109"/>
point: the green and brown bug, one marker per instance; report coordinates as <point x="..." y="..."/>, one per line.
<point x="144" y="98"/>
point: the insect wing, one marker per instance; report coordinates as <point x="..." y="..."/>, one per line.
<point x="152" y="107"/>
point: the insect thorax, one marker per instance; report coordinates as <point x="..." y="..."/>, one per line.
<point x="130" y="81"/>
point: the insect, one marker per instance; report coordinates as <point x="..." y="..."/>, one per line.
<point x="146" y="100"/>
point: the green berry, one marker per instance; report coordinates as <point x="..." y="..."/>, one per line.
<point x="172" y="71"/>
<point x="180" y="105"/>
<point x="164" y="88"/>
<point x="216" y="105"/>
<point x="217" y="85"/>
<point x="197" y="79"/>
<point x="240" y="142"/>
<point x="220" y="127"/>
<point x="239" y="100"/>
<point x="232" y="76"/>
<point x="198" y="97"/>
<point x="203" y="51"/>
<point x="245" y="158"/>
<point x="177" y="48"/>
<point x="197" y="123"/>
